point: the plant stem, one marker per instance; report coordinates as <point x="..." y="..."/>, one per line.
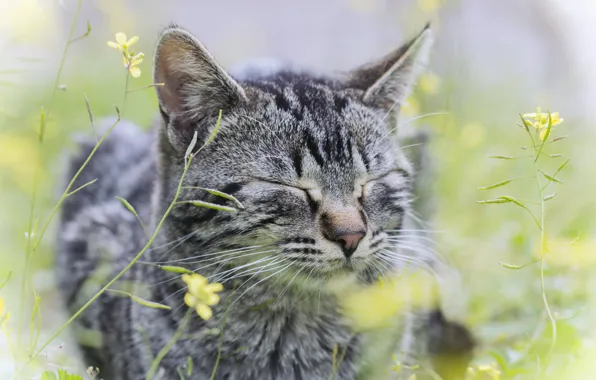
<point x="543" y="248"/>
<point x="123" y="271"/>
<point x="29" y="251"/>
<point x="164" y="351"/>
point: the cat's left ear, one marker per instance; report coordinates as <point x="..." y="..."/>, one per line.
<point x="388" y="81"/>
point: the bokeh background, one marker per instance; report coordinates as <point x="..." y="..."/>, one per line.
<point x="493" y="59"/>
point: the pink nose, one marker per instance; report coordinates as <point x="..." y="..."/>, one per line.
<point x="350" y="242"/>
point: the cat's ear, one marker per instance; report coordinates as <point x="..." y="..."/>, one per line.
<point x="195" y="86"/>
<point x="388" y="81"/>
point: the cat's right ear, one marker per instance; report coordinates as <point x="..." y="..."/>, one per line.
<point x="195" y="87"/>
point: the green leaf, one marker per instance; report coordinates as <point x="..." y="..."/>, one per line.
<point x="558" y="138"/>
<point x="42" y="124"/>
<point x="134" y="212"/>
<point x="151" y="304"/>
<point x="494" y="186"/>
<point x="82" y="187"/>
<point x="561" y="167"/>
<point x="549" y="197"/>
<point x="141" y="301"/>
<point x="550" y="178"/>
<point x="216" y="129"/>
<point x="188" y="366"/>
<point x="502" y="157"/>
<point x="548" y="129"/>
<point x="191" y="146"/>
<point x="210" y="205"/>
<point x="507" y="198"/>
<point x="174" y="269"/>
<point x="492" y="201"/>
<point x="219" y="194"/>
<point x="516" y="267"/>
<point x="524" y="123"/>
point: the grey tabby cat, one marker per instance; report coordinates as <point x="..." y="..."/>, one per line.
<point x="325" y="190"/>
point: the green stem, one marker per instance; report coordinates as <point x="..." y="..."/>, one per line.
<point x="65" y="194"/>
<point x="543" y="238"/>
<point x="29" y="251"/>
<point x="164" y="351"/>
<point x="123" y="271"/>
<point x="125" y="90"/>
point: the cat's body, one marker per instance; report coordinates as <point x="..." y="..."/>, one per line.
<point x="296" y="150"/>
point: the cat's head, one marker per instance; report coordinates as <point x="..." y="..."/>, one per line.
<point x="314" y="162"/>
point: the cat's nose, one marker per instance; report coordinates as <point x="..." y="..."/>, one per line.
<point x="345" y="227"/>
<point x="350" y="242"/>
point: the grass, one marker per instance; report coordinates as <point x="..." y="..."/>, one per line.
<point x="532" y="312"/>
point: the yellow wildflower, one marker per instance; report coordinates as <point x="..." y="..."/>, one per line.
<point x="201" y="294"/>
<point x="122" y="43"/>
<point x="539" y="120"/>
<point x="131" y="60"/>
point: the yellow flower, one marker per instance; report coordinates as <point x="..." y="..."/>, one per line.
<point x="130" y="59"/>
<point x="122" y="43"/>
<point x="539" y="120"/>
<point x="201" y="294"/>
<point x="132" y="63"/>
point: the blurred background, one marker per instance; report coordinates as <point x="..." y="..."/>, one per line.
<point x="493" y="60"/>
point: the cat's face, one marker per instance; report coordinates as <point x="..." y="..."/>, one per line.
<point x="313" y="162"/>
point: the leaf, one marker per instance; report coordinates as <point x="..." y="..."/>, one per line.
<point x="42" y="124"/>
<point x="90" y="112"/>
<point x="151" y="304"/>
<point x="134" y="212"/>
<point x="561" y="167"/>
<point x="191" y="146"/>
<point x="507" y="198"/>
<point x="502" y="157"/>
<point x="492" y="201"/>
<point x="216" y="129"/>
<point x="141" y="301"/>
<point x="128" y="206"/>
<point x="559" y="138"/>
<point x="549" y="197"/>
<point x="548" y="129"/>
<point x="211" y="206"/>
<point x="516" y="267"/>
<point x="556" y="155"/>
<point x="188" y="366"/>
<point x="219" y="194"/>
<point x="550" y="178"/>
<point x="82" y="187"/>
<point x="493" y="186"/>
<point x="174" y="269"/>
<point x="524" y="123"/>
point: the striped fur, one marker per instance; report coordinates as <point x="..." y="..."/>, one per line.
<point x="296" y="150"/>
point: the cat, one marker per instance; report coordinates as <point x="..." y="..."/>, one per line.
<point x="325" y="189"/>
